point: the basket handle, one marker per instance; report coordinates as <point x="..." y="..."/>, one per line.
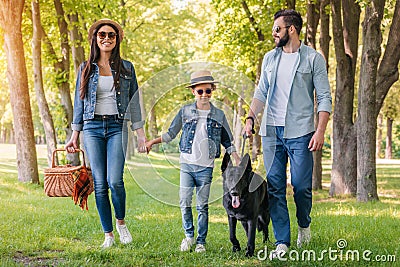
<point x="64" y="150"/>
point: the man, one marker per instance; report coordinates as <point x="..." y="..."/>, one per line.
<point x="289" y="76"/>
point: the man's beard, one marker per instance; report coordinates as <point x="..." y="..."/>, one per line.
<point x="283" y="41"/>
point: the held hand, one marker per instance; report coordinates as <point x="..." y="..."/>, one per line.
<point x="316" y="142"/>
<point x="148" y="146"/>
<point x="142" y="144"/>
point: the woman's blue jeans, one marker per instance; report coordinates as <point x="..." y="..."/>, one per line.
<point x="199" y="177"/>
<point x="103" y="141"/>
<point x="276" y="151"/>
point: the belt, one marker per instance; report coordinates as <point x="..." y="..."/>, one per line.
<point x="105" y="117"/>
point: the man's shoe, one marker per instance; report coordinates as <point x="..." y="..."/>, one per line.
<point x="303" y="236"/>
<point x="200" y="248"/>
<point x="124" y="234"/>
<point x="108" y="242"/>
<point x="279" y="252"/>
<point x="187" y="243"/>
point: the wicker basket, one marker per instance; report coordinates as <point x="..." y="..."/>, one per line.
<point x="58" y="180"/>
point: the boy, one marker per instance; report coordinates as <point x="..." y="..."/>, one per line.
<point x="204" y="128"/>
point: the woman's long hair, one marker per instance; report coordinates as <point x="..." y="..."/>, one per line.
<point x="115" y="61"/>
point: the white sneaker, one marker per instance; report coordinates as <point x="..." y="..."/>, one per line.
<point x="303" y="236"/>
<point x="108" y="242"/>
<point x="200" y="248"/>
<point x="124" y="234"/>
<point x="187" y="242"/>
<point x="279" y="252"/>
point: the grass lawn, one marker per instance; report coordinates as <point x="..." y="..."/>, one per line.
<point x="36" y="230"/>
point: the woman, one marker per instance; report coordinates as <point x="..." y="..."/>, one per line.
<point x="107" y="94"/>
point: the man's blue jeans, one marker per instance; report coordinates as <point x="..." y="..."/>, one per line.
<point x="105" y="149"/>
<point x="276" y="151"/>
<point x="199" y="177"/>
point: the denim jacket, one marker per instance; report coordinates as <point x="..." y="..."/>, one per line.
<point x="309" y="74"/>
<point x="127" y="98"/>
<point x="217" y="128"/>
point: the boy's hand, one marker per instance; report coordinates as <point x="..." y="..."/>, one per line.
<point x="148" y="146"/>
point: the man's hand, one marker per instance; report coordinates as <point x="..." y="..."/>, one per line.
<point x="248" y="127"/>
<point x="317" y="141"/>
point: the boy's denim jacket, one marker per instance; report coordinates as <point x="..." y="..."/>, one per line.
<point x="217" y="128"/>
<point x="127" y="98"/>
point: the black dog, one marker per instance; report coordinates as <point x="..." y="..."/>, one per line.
<point x="245" y="199"/>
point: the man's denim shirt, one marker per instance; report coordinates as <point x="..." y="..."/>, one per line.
<point x="217" y="128"/>
<point x="309" y="72"/>
<point x="127" y="96"/>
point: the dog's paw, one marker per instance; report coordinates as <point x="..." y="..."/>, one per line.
<point x="249" y="253"/>
<point x="236" y="248"/>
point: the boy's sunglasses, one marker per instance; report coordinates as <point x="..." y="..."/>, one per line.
<point x="201" y="91"/>
<point x="111" y="35"/>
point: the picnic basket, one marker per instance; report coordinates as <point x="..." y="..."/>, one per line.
<point x="68" y="180"/>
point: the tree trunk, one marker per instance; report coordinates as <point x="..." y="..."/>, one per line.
<point x="10" y="19"/>
<point x="379" y="136"/>
<point x="62" y="69"/>
<point x="388" y="71"/>
<point x="389" y="131"/>
<point x="78" y="53"/>
<point x="291" y="4"/>
<point x="324" y="45"/>
<point x="344" y="145"/>
<point x="366" y="136"/>
<point x="312" y="24"/>
<point x="44" y="110"/>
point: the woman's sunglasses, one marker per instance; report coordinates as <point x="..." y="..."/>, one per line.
<point x="111" y="35"/>
<point x="201" y="91"/>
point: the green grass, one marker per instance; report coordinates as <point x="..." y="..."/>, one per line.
<point x="36" y="230"/>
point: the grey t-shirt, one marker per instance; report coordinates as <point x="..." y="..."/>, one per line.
<point x="106" y="101"/>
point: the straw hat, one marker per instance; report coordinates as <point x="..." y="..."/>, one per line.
<point x="106" y="21"/>
<point x="200" y="77"/>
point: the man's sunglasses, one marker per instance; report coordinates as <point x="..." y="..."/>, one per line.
<point x="111" y="35"/>
<point x="277" y="29"/>
<point x="201" y="91"/>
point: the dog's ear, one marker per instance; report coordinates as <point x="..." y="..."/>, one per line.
<point x="256" y="181"/>
<point x="226" y="162"/>
<point x="245" y="163"/>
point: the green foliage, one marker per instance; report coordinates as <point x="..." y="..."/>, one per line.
<point x="40" y="231"/>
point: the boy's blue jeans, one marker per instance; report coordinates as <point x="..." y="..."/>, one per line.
<point x="276" y="151"/>
<point x="191" y="177"/>
<point x="103" y="140"/>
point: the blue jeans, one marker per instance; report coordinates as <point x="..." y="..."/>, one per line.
<point x="103" y="140"/>
<point x="199" y="177"/>
<point x="276" y="151"/>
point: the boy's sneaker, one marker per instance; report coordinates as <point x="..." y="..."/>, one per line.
<point x="279" y="252"/>
<point x="124" y="234"/>
<point x="200" y="248"/>
<point x="303" y="236"/>
<point x="186" y="244"/>
<point x="108" y="242"/>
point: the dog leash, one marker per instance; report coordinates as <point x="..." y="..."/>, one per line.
<point x="244" y="143"/>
